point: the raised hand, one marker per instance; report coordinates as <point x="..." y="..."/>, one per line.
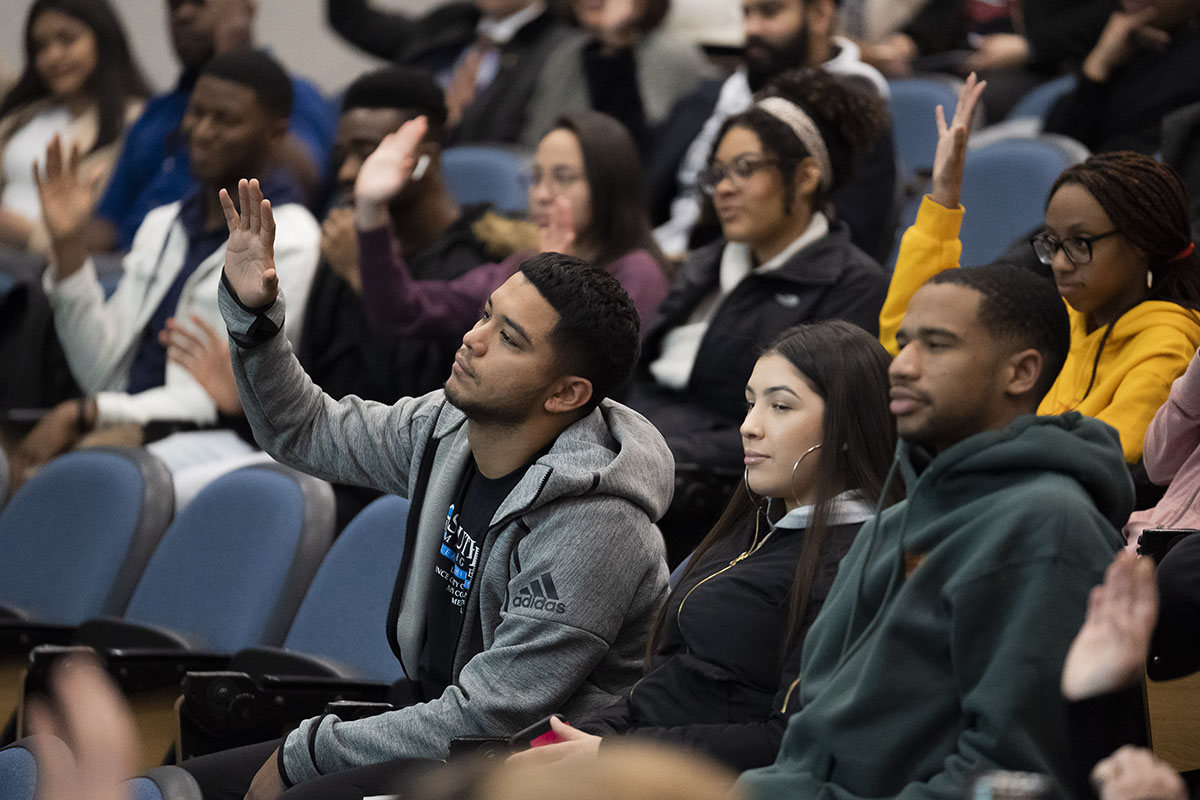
<point x="386" y="171"/>
<point x="559" y="235"/>
<point x="205" y="354"/>
<point x="66" y="199"/>
<point x="250" y="253"/>
<point x="951" y="153"/>
<point x="1110" y="650"/>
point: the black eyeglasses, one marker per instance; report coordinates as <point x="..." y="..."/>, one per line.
<point x="739" y="170"/>
<point x="1077" y="248"/>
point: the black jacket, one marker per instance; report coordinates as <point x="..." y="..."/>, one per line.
<point x="829" y="279"/>
<point x="720" y="681"/>
<point x="1126" y="111"/>
<point x="435" y="41"/>
<point x="1059" y="31"/>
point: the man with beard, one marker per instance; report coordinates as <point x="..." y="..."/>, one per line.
<point x="780" y="35"/>
<point x="532" y="568"/>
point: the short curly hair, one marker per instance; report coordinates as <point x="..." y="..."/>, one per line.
<point x="598" y="334"/>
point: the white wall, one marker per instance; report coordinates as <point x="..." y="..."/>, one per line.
<point x="295" y="30"/>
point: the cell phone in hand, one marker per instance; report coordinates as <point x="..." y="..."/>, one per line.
<point x="536" y="735"/>
<point x="1155" y="542"/>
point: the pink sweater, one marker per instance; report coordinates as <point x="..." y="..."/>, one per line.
<point x="397" y="304"/>
<point x="1172" y="455"/>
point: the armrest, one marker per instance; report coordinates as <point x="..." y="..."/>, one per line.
<point x="134" y="669"/>
<point x="347" y="710"/>
<point x="225" y="709"/>
<point x="279" y="661"/>
<point x="18" y="638"/>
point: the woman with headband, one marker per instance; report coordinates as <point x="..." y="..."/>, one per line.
<point x="783" y="260"/>
<point x="1119" y="245"/>
<point x="723" y="657"/>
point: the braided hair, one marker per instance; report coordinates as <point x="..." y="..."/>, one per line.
<point x="849" y="115"/>
<point x="1148" y="204"/>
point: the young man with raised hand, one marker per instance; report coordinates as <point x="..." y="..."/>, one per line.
<point x="938" y="652"/>
<point x="526" y="484"/>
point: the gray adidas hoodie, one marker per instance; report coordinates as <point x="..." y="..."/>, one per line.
<point x="578" y="525"/>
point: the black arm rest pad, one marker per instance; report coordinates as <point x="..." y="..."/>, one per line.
<point x="347" y="710"/>
<point x="278" y="661"/>
<point x="110" y="633"/>
<point x="134" y="669"/>
<point x="18" y="638"/>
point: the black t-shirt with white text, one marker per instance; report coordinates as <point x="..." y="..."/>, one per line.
<point x="467" y="522"/>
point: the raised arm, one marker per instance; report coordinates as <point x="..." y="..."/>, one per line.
<point x="931" y="244"/>
<point x="396" y="303"/>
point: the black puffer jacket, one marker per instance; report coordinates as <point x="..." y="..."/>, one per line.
<point x="829" y="279"/>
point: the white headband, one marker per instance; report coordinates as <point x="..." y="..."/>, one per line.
<point x="805" y="129"/>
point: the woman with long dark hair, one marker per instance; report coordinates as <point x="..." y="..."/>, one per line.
<point x="585" y="195"/>
<point x="724" y="656"/>
<point x="80" y="83"/>
<point x="1118" y="242"/>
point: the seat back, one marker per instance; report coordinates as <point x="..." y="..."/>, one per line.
<point x="1005" y="186"/>
<point x="1037" y="102"/>
<point x="76" y="537"/>
<point x="231" y="570"/>
<point x="1173" y="713"/>
<point x="344" y="613"/>
<point x="482" y="174"/>
<point x="914" y="131"/>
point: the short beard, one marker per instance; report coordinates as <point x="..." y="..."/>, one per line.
<point x="509" y="415"/>
<point x="792" y="54"/>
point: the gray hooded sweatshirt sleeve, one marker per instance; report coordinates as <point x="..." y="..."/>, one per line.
<point x="578" y="526"/>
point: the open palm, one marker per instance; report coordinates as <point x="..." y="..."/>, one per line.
<point x="951" y="154"/>
<point x="250" y="253"/>
<point x="66" y="199"/>
<point x="385" y="172"/>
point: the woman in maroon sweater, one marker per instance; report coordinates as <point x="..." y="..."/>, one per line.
<point x="585" y="194"/>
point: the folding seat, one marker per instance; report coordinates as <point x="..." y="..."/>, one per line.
<point x="337" y="646"/>
<point x="486" y="174"/>
<point x="1005" y="186"/>
<point x="229" y="573"/>
<point x="73" y="543"/>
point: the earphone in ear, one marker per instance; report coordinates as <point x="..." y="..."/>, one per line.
<point x="419" y="170"/>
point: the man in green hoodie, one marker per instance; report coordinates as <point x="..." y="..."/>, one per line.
<point x="938" y="653"/>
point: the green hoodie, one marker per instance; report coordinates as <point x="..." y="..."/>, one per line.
<point x="939" y="649"/>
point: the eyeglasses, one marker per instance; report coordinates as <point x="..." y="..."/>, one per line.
<point x="739" y="170"/>
<point x="561" y="178"/>
<point x="1077" y="248"/>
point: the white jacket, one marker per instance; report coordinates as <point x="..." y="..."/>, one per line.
<point x="100" y="337"/>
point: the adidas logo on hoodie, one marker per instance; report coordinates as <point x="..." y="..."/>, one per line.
<point x="540" y="595"/>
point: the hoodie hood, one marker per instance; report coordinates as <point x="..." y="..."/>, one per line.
<point x="1081" y="448"/>
<point x="612" y="451"/>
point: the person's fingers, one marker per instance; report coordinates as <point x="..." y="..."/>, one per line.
<point x="565" y="730"/>
<point x="1145" y="590"/>
<point x="229" y="209"/>
<point x="183" y="339"/>
<point x="268" y="222"/>
<point x="537" y="756"/>
<point x="73" y="159"/>
<point x="940" y="114"/>
<point x="54" y="157"/>
<point x="244" y="204"/>
<point x="253" y="205"/>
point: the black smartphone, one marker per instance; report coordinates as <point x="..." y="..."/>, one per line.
<point x="1156" y="542"/>
<point x="536" y="735"/>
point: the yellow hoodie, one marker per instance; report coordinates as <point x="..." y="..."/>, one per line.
<point x="1149" y="347"/>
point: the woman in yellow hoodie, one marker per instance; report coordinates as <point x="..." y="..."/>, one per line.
<point x="1117" y="239"/>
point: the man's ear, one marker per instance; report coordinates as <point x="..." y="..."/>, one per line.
<point x="570" y="393"/>
<point x="1023" y="370"/>
<point x="820" y="16"/>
